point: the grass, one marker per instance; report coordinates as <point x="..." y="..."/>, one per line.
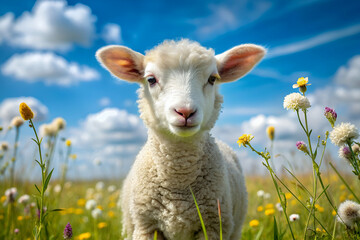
<point x="108" y="226"/>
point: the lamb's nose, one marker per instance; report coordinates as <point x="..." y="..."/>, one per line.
<point x="185" y="112"/>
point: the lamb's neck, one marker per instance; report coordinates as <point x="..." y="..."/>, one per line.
<point x="178" y="159"/>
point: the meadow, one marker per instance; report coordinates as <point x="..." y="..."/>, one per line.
<point x="286" y="204"/>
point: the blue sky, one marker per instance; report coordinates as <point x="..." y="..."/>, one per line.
<point x="47" y="52"/>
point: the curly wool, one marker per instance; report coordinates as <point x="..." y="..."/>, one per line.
<point x="343" y="133"/>
<point x="349" y="213"/>
<point x="296" y="101"/>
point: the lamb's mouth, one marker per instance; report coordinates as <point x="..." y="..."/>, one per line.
<point x="184" y="131"/>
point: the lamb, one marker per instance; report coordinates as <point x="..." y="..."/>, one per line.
<point x="179" y="103"/>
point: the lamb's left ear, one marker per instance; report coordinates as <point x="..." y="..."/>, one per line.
<point x="236" y="62"/>
<point x="122" y="62"/>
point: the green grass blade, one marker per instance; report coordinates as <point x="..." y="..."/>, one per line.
<point x="276" y="234"/>
<point x="155" y="235"/>
<point x="201" y="220"/>
<point x="219" y="209"/>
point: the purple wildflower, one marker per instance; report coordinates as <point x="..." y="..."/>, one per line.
<point x="68" y="232"/>
<point x="302" y="147"/>
<point x="16" y="230"/>
<point x="331" y="115"/>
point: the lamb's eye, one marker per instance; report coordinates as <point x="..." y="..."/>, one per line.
<point x="151" y="80"/>
<point x="212" y="79"/>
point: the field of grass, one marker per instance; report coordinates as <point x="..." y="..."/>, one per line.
<point x="72" y="199"/>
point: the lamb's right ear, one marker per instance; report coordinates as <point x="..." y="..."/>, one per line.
<point x="122" y="62"/>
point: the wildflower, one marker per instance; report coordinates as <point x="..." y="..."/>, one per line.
<point x="111" y="188"/>
<point x="267" y="195"/>
<point x="102" y="225"/>
<point x="4" y="146"/>
<point x="355" y="148"/>
<point x="96" y="213"/>
<point x="90" y="204"/>
<point x="90" y="193"/>
<point x="333" y="213"/>
<point x="349" y="213"/>
<point x="343" y="133"/>
<point x="57" y="188"/>
<point x="25" y="111"/>
<point x="81" y="202"/>
<point x="17" y="121"/>
<point x="111" y="214"/>
<point x="294" y="217"/>
<point x="288" y="195"/>
<point x="269" y="206"/>
<point x="260" y="208"/>
<point x="302" y="147"/>
<point x="16" y="230"/>
<point x="11" y="194"/>
<point x="84" y="236"/>
<point x="99" y="186"/>
<point x="73" y="156"/>
<point x="254" y="223"/>
<point x="301" y="84"/>
<point x="59" y="123"/>
<point x="68" y="143"/>
<point x="20" y="218"/>
<point x="260" y="193"/>
<point x="68" y="232"/>
<point x="331" y="115"/>
<point x="47" y="130"/>
<point x="24" y="199"/>
<point x="319" y="208"/>
<point x="269" y="212"/>
<point x="279" y="207"/>
<point x="296" y="101"/>
<point x="344" y="152"/>
<point x="270" y="132"/>
<point x="79" y="211"/>
<point x="245" y="139"/>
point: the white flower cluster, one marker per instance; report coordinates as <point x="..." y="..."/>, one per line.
<point x="343" y="133"/>
<point x="349" y="213"/>
<point x="296" y="101"/>
<point x="52" y="128"/>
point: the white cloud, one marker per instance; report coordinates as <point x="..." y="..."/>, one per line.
<point x="226" y="18"/>
<point x="104" y="102"/>
<point x="9" y="108"/>
<point x="111" y="135"/>
<point x="111" y="33"/>
<point x="6" y="22"/>
<point x="315" y="41"/>
<point x="349" y="75"/>
<point x="47" y="67"/>
<point x="53" y="25"/>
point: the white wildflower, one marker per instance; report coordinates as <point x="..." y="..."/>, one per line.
<point x="11" y="194"/>
<point x="24" y="199"/>
<point x="279" y="207"/>
<point x="17" y="121"/>
<point x="59" y="124"/>
<point x="267" y="196"/>
<point x="47" y="130"/>
<point x="96" y="213"/>
<point x="99" y="186"/>
<point x="349" y="213"/>
<point x="296" y="101"/>
<point x="294" y="217"/>
<point x="57" y="188"/>
<point x="260" y="193"/>
<point x="343" y="133"/>
<point x="344" y="152"/>
<point x="111" y="188"/>
<point x="90" y="204"/>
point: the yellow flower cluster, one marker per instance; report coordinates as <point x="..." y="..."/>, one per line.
<point x="245" y="139"/>
<point x="25" y="111"/>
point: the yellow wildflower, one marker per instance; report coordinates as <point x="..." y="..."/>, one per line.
<point x="342" y="187"/>
<point x="301" y="82"/>
<point x="102" y="225"/>
<point x="112" y="204"/>
<point x="25" y="111"/>
<point x="100" y="207"/>
<point x="1" y="217"/>
<point x="288" y="195"/>
<point x="269" y="212"/>
<point x="319" y="208"/>
<point x="245" y="139"/>
<point x="83" y="236"/>
<point x="350" y="196"/>
<point x="270" y="132"/>
<point x="111" y="214"/>
<point x="73" y="156"/>
<point x="333" y="212"/>
<point x="260" y="208"/>
<point x="68" y="143"/>
<point x="81" y="202"/>
<point x="20" y="218"/>
<point x="293" y="202"/>
<point x="254" y="223"/>
<point x="79" y="211"/>
<point x="269" y="206"/>
<point x="2" y="199"/>
<point x="342" y="198"/>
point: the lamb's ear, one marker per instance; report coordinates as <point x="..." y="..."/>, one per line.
<point x="122" y="62"/>
<point x="236" y="62"/>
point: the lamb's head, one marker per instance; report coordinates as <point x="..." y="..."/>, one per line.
<point x="179" y="81"/>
